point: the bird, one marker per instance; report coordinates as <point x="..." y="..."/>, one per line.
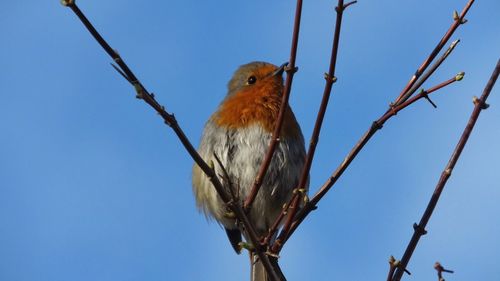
<point x="235" y="140"/>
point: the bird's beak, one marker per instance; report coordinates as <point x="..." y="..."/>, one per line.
<point x="280" y="70"/>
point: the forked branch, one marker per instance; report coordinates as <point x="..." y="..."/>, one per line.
<point x="375" y="127"/>
<point x="440" y="269"/>
<point x="419" y="229"/>
<point x="402" y="101"/>
<point x="457" y="21"/>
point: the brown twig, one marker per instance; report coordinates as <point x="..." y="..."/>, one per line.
<point x="423" y="94"/>
<point x="171" y="121"/>
<point x="440" y="269"/>
<point x="376" y="126"/>
<point x="392" y="267"/>
<point x="393" y="264"/>
<point x="290" y="70"/>
<point x="330" y="79"/>
<point x="419" y="229"/>
<point x="429" y="72"/>
<point x="458" y="20"/>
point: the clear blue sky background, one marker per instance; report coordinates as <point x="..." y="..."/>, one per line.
<point x="93" y="186"/>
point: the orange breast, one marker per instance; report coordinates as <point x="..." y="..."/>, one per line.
<point x="256" y="105"/>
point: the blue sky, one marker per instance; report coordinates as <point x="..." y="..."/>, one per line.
<point x="93" y="186"/>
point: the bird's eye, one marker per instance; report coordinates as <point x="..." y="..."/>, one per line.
<point x="251" y="80"/>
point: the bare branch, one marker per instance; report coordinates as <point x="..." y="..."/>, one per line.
<point x="429" y="72"/>
<point x="458" y="20"/>
<point x="440" y="269"/>
<point x="290" y="70"/>
<point x="330" y="79"/>
<point x="376" y="126"/>
<point x="392" y="268"/>
<point x="419" y="229"/>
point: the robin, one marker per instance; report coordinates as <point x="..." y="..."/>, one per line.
<point x="238" y="134"/>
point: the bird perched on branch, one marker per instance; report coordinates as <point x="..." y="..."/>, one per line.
<point x="238" y="134"/>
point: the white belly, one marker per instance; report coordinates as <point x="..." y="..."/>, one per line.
<point x="241" y="152"/>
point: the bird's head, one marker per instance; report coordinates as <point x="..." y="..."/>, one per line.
<point x="256" y="77"/>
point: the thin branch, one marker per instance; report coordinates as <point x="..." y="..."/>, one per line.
<point x="393" y="265"/>
<point x="376" y="126"/>
<point x="440" y="269"/>
<point x="419" y="229"/>
<point x="329" y="80"/>
<point x="170" y="120"/>
<point x="458" y="20"/>
<point x="429" y="72"/>
<point x="392" y="268"/>
<point x="290" y="70"/>
<point x="423" y="94"/>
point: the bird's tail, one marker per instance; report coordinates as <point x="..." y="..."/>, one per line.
<point x="258" y="272"/>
